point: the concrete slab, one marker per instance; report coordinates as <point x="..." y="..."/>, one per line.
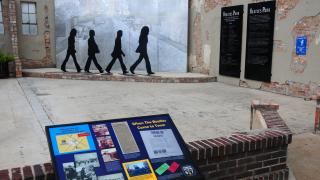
<point x="22" y="140"/>
<point x="200" y="111"/>
<point x="304" y="156"/>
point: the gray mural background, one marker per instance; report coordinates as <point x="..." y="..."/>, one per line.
<point x="167" y="20"/>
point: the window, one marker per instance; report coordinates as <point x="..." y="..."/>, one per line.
<point x="29" y="18"/>
<point x="1" y="20"/>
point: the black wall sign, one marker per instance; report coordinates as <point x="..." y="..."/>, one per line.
<point x="260" y="32"/>
<point x="231" y="40"/>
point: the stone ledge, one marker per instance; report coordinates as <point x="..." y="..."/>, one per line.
<point x="158" y="78"/>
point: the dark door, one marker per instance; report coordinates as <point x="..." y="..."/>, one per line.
<point x="260" y="30"/>
<point x="231" y="41"/>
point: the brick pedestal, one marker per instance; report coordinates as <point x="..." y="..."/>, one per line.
<point x="258" y="154"/>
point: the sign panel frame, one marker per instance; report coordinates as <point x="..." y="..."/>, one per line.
<point x="259" y="46"/>
<point x="103" y="150"/>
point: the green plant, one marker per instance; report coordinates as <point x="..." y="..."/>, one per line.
<point x="6" y="57"/>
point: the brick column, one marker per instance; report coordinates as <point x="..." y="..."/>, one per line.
<point x="256" y="105"/>
<point x="317" y="113"/>
<point x="14" y="36"/>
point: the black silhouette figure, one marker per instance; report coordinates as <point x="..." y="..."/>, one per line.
<point x="142" y="49"/>
<point x="92" y="50"/>
<point x="117" y="54"/>
<point x="71" y="51"/>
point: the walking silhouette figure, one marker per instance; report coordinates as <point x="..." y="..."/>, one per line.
<point x="92" y="50"/>
<point x="71" y="51"/>
<point x="117" y="54"/>
<point x="142" y="49"/>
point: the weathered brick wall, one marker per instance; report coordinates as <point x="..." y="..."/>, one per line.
<point x="292" y="75"/>
<point x="242" y="155"/>
<point x="258" y="154"/>
<point x="38" y="51"/>
<point x="29" y="51"/>
<point x="43" y="63"/>
<point x="14" y="37"/>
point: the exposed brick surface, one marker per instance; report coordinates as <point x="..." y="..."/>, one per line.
<point x="260" y="154"/>
<point x="49" y="171"/>
<point x="38" y="172"/>
<point x="295" y="89"/>
<point x="4" y="174"/>
<point x="14" y="36"/>
<point x="27" y="173"/>
<point x="41" y="63"/>
<point x="16" y="174"/>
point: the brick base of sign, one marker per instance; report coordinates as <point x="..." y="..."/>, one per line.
<point x="257" y="154"/>
<point x="39" y="172"/>
<point x="137" y="78"/>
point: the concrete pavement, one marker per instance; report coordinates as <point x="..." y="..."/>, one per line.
<point x="304" y="156"/>
<point x="22" y="139"/>
<point x="199" y="110"/>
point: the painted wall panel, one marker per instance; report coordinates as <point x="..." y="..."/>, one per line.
<point x="167" y="19"/>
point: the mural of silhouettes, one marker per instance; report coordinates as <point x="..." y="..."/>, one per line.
<point x="142" y="49"/>
<point x="71" y="51"/>
<point x="117" y="54"/>
<point x="92" y="50"/>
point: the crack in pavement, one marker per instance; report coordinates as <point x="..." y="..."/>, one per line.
<point x="38" y="109"/>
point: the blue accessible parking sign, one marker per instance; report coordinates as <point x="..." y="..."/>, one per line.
<point x="301" y="45"/>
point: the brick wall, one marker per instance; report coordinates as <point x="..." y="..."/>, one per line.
<point x="289" y="88"/>
<point x="15" y="43"/>
<point x="258" y="154"/>
<point x="39" y="172"/>
<point x="14" y="37"/>
<point x="46" y="62"/>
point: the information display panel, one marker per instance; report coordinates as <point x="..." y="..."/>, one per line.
<point x="138" y="148"/>
<point x="260" y="30"/>
<point x="231" y="41"/>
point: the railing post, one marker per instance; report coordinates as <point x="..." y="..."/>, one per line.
<point x="317" y="114"/>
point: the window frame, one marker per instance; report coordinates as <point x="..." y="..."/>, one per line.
<point x="1" y="22"/>
<point x="29" y="24"/>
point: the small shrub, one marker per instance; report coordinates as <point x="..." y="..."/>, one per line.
<point x="6" y="57"/>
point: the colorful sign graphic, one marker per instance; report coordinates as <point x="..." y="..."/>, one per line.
<point x="71" y="139"/>
<point x="139" y="170"/>
<point x="162" y="169"/>
<point x="141" y="148"/>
